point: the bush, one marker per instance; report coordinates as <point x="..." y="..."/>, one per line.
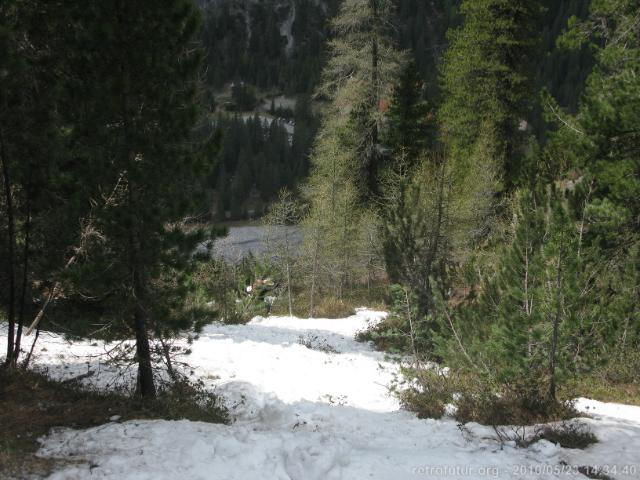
<point x="221" y="287"/>
<point x="390" y="335"/>
<point x="489" y="406"/>
<point x="623" y="368"/>
<point x="568" y="435"/>
<point x="473" y="398"/>
<point x="428" y="394"/>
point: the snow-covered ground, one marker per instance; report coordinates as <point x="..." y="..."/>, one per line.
<point x="304" y="414"/>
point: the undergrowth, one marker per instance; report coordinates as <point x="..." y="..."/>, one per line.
<point x="31" y="405"/>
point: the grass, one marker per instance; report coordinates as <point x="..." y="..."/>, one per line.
<point x="328" y="306"/>
<point x="601" y="389"/>
<point x="614" y="380"/>
<point x="31" y="405"/>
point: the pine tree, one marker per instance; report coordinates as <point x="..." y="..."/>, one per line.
<point x="144" y="83"/>
<point x="410" y="130"/>
<point x="346" y="160"/>
<point x="37" y="190"/>
<point x="357" y="78"/>
<point x="487" y="79"/>
<point x="596" y="151"/>
<point x="531" y="327"/>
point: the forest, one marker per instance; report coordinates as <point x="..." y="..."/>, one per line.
<point x="446" y="194"/>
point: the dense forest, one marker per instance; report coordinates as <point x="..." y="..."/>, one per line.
<point x="270" y="50"/>
<point x="471" y="168"/>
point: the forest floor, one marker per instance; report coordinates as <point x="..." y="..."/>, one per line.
<point x="306" y="402"/>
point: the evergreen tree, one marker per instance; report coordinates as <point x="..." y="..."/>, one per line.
<point x="362" y="62"/>
<point x="144" y="69"/>
<point x="597" y="151"/>
<point x="346" y="160"/>
<point x="410" y="130"/>
<point x="37" y="188"/>
<point x="532" y="326"/>
<point x="487" y="79"/>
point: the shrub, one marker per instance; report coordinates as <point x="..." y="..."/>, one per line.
<point x="428" y="392"/>
<point x="389" y="335"/>
<point x="568" y="435"/>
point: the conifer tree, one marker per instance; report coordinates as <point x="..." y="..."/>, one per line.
<point x="346" y="160"/>
<point x="487" y="79"/>
<point x="357" y="78"/>
<point x="37" y="188"/>
<point x="597" y="150"/>
<point x="143" y="81"/>
<point x="410" y="130"/>
<point x="532" y="325"/>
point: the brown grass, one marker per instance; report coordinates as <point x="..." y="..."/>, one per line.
<point x="31" y="405"/>
<point x="329" y="306"/>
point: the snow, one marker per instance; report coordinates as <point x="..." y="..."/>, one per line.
<point x="602" y="409"/>
<point x="309" y="413"/>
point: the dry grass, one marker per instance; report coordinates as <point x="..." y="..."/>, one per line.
<point x="329" y="306"/>
<point x="31" y="405"/>
<point x="605" y="391"/>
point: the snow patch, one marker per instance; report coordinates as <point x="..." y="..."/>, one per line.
<point x="304" y="414"/>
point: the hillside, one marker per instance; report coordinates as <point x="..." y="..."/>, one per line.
<point x="276" y="47"/>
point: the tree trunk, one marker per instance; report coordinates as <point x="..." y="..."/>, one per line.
<point x="314" y="272"/>
<point x="146" y="386"/>
<point x="11" y="261"/>
<point x="556" y="327"/>
<point x="375" y="100"/>
<point x="289" y="289"/>
<point x="25" y="365"/>
<point x="25" y="283"/>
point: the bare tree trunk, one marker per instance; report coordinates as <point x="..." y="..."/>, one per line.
<point x="314" y="272"/>
<point x="556" y="327"/>
<point x="11" y="250"/>
<point x="166" y="352"/>
<point x="146" y="386"/>
<point x="435" y="247"/>
<point x="25" y="365"/>
<point x="25" y="276"/>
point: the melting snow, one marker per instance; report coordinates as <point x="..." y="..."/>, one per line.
<point x="306" y="414"/>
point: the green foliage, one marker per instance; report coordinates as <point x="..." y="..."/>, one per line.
<point x="220" y="289"/>
<point x="598" y="150"/>
<point x="428" y="394"/>
<point x="433" y="215"/>
<point x="357" y="77"/>
<point x="257" y="158"/>
<point x="284" y="214"/>
<point x="243" y="97"/>
<point x="487" y="79"/>
<point x="245" y="43"/>
<point x="534" y="324"/>
<point x="410" y="130"/>
<point x="340" y="229"/>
